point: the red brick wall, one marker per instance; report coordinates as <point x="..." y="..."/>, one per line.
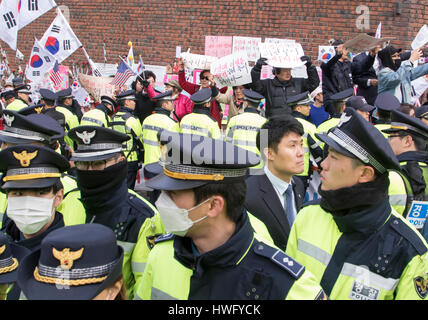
<point x="157" y="27"/>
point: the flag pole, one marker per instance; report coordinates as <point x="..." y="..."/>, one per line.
<point x="130" y="68"/>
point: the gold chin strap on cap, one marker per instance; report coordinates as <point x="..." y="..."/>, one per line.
<point x="31" y="176"/>
<point x="192" y="176"/>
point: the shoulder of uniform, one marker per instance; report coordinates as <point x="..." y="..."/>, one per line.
<point x="280" y="258"/>
<point x="409" y="234"/>
<point x="140" y="205"/>
<point x="213" y="119"/>
<point x="164" y="237"/>
<point x="311" y="203"/>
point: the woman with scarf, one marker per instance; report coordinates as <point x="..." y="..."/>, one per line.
<point x="396" y="75"/>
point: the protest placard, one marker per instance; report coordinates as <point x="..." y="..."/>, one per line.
<point x="232" y="70"/>
<point x="218" y="46"/>
<point x="277" y="40"/>
<point x="197" y="61"/>
<point x="282" y="55"/>
<point x="325" y="53"/>
<point x="364" y="42"/>
<point x="248" y="44"/>
<point x="421" y="38"/>
<point x="107" y="69"/>
<point x="96" y="86"/>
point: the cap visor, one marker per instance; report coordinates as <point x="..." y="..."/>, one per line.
<point x="334" y="145"/>
<point x="30" y="184"/>
<point x="163" y="182"/>
<point x="75" y="157"/>
<point x="151" y="170"/>
<point x="35" y="290"/>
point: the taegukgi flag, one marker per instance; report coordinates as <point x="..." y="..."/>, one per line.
<point x="9" y="22"/>
<point x="41" y="61"/>
<point x="32" y="9"/>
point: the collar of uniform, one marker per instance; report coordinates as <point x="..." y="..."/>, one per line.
<point x="125" y="109"/>
<point x="297" y="114"/>
<point x="102" y="107"/>
<point x="251" y="110"/>
<point x="201" y="110"/>
<point x="421" y="156"/>
<point x="66" y="107"/>
<point x="227" y="255"/>
<point x="162" y="111"/>
<point x="34" y="242"/>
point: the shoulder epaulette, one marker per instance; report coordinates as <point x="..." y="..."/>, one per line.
<point x="409" y="234"/>
<point x="280" y="258"/>
<point x="165" y="237"/>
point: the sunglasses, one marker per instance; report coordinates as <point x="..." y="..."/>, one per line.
<point x="204" y="78"/>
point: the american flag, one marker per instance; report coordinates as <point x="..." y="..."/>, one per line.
<point x="54" y="75"/>
<point x="122" y="75"/>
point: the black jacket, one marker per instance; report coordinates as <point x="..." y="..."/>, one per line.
<point x="362" y="71"/>
<point x="276" y="92"/>
<point x="144" y="106"/>
<point x="262" y="201"/>
<point x="336" y="76"/>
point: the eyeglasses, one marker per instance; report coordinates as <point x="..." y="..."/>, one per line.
<point x="95" y="165"/>
<point x="204" y="78"/>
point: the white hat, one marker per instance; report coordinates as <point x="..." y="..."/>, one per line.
<point x="315" y="92"/>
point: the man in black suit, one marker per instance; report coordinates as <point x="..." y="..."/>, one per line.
<point x="269" y="197"/>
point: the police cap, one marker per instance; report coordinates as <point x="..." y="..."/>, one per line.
<point x="387" y="102"/>
<point x="300" y="99"/>
<point x="11" y="256"/>
<point x="165" y="96"/>
<point x="7" y="94"/>
<point x="202" y="96"/>
<point x="359" y="103"/>
<point x="422" y="112"/>
<point x="32" y="128"/>
<point x="47" y="94"/>
<point x="66" y="93"/>
<point x="34" y="109"/>
<point x="357" y="138"/>
<point x="403" y="122"/>
<point x="108" y="100"/>
<point x="252" y="96"/>
<point x="127" y="95"/>
<point x="190" y="161"/>
<point x="342" y="95"/>
<point x="90" y="260"/>
<point x="29" y="166"/>
<point x="25" y="88"/>
<point x="96" y="143"/>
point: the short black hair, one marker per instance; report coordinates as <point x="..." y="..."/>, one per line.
<point x="277" y="127"/>
<point x="233" y="194"/>
<point x="146" y="74"/>
<point x="420" y="141"/>
<point x="406" y="108"/>
<point x="384" y="115"/>
<point x="338" y="105"/>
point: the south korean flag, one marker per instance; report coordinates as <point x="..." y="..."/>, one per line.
<point x="32" y="9"/>
<point x="9" y="22"/>
<point x="41" y="61"/>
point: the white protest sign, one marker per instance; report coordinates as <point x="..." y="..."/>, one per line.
<point x="421" y="38"/>
<point x="282" y="55"/>
<point x="197" y="61"/>
<point x="97" y="86"/>
<point x="277" y="40"/>
<point x="248" y="44"/>
<point x="325" y="53"/>
<point x="232" y="70"/>
<point x="107" y="69"/>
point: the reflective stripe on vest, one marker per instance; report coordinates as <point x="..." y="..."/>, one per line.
<point x="138" y="266"/>
<point x="244" y="143"/>
<point x="96" y="121"/>
<point x="195" y="128"/>
<point x="150" y="127"/>
<point x="127" y="246"/>
<point x="365" y="275"/>
<point x="318" y="254"/>
<point x="160" y="295"/>
<point x="151" y="143"/>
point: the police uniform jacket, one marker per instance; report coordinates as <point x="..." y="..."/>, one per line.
<point x="371" y="254"/>
<point x="242" y="268"/>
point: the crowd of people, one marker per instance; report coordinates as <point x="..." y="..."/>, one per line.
<point x="314" y="188"/>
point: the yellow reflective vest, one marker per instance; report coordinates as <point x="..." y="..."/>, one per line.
<point x="201" y="123"/>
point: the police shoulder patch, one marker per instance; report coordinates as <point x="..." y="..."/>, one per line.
<point x="280" y="258"/>
<point x="164" y="237"/>
<point x="421" y="287"/>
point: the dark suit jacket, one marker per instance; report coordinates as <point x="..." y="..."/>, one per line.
<point x="263" y="202"/>
<point x="362" y="70"/>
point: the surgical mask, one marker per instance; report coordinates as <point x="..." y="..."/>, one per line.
<point x="30" y="214"/>
<point x="175" y="220"/>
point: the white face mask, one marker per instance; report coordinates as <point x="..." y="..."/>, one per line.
<point x="30" y="214"/>
<point x="175" y="220"/>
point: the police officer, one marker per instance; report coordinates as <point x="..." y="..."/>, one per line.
<point x="360" y="105"/>
<point x="408" y="139"/>
<point x="101" y="177"/>
<point x="41" y="129"/>
<point x="22" y="97"/>
<point x="80" y="262"/>
<point x="7" y="97"/>
<point x="125" y="122"/>
<point x="11" y="256"/>
<point x="101" y="115"/>
<point x="212" y="252"/>
<point x="422" y="113"/>
<point x="339" y="101"/>
<point x="64" y="102"/>
<point x="199" y="121"/>
<point x="352" y="241"/>
<point x="160" y="120"/>
<point x="300" y="105"/>
<point x="242" y="129"/>
<point x="385" y="103"/>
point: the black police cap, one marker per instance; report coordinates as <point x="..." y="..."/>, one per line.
<point x="96" y="143"/>
<point x="190" y="161"/>
<point x="165" y="96"/>
<point x="252" y="96"/>
<point x="47" y="94"/>
<point x="108" y="100"/>
<point x="29" y="166"/>
<point x="34" y="109"/>
<point x="359" y="103"/>
<point x="66" y="93"/>
<point x="8" y="94"/>
<point x="202" y="96"/>
<point x="403" y="122"/>
<point x="387" y="102"/>
<point x="299" y="99"/>
<point x="25" y="88"/>
<point x="342" y="95"/>
<point x="127" y="95"/>
<point x="32" y="128"/>
<point x="357" y="138"/>
<point x="93" y="263"/>
<point x="422" y="112"/>
<point x="11" y="256"/>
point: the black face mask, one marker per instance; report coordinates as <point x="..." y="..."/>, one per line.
<point x="93" y="182"/>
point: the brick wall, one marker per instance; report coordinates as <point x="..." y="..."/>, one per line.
<point x="157" y="27"/>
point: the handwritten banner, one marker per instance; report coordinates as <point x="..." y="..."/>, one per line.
<point x="197" y="61"/>
<point x="232" y="70"/>
<point x="277" y="40"/>
<point x="364" y="42"/>
<point x="97" y="86"/>
<point x="218" y="46"/>
<point x="282" y="55"/>
<point x="249" y="45"/>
